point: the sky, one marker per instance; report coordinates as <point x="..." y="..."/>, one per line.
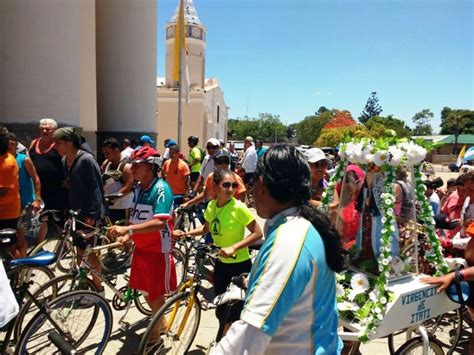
<point x="289" y="57"/>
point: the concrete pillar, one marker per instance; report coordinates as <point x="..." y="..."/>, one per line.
<point x="126" y="68"/>
<point x="47" y="64"/>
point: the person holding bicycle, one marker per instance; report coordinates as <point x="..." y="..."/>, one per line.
<point x="290" y="306"/>
<point x="226" y="218"/>
<point x="153" y="271"/>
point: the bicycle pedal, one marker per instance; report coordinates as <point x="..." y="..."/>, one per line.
<point x="124" y="325"/>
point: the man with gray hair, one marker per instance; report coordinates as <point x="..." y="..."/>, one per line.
<point x="47" y="162"/>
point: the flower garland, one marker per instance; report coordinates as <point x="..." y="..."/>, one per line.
<point x="377" y="308"/>
<point x="388" y="157"/>
<point x="435" y="254"/>
<point x="328" y="194"/>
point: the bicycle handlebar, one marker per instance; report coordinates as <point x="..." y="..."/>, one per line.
<point x="109" y="246"/>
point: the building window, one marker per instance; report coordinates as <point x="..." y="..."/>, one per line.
<point x="218" y="113"/>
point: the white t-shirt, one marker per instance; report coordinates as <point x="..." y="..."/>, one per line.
<point x="207" y="167"/>
<point x="125" y="154"/>
<point x="8" y="304"/>
<point x="249" y="161"/>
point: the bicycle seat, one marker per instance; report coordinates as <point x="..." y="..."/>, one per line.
<point x="43" y="258"/>
<point x="234" y="293"/>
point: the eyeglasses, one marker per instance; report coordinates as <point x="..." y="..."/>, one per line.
<point x="226" y="185"/>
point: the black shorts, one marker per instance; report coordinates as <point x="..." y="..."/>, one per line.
<point x="194" y="176"/>
<point x="12" y="224"/>
<point x="223" y="274"/>
<point x="249" y="179"/>
<point x="470" y="300"/>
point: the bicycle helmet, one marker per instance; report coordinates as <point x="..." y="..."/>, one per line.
<point x="146" y="155"/>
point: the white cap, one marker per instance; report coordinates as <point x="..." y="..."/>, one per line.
<point x="214" y="142"/>
<point x="315" y="154"/>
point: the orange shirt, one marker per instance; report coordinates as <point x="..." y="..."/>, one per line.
<point x="176" y="174"/>
<point x="10" y="202"/>
<point x="210" y="186"/>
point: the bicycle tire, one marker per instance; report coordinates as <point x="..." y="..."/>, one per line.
<point x="49" y="244"/>
<point x="414" y="345"/>
<point x="18" y="274"/>
<point x="436" y="329"/>
<point x="170" y="338"/>
<point x="66" y="256"/>
<point x="115" y="260"/>
<point x="68" y="303"/>
<point x="54" y="286"/>
<point x="181" y="265"/>
<point x="142" y="304"/>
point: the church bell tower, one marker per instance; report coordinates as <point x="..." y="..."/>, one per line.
<point x="195" y="34"/>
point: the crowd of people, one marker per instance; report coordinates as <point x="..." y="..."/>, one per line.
<point x="291" y="288"/>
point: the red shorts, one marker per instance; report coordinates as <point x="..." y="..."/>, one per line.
<point x="152" y="272"/>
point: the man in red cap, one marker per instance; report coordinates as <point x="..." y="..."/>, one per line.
<point x="153" y="270"/>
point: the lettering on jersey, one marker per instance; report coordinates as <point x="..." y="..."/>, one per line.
<point x="160" y="190"/>
<point x="141" y="213"/>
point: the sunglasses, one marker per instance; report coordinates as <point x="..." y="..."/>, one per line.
<point x="319" y="164"/>
<point x="212" y="147"/>
<point x="226" y="185"/>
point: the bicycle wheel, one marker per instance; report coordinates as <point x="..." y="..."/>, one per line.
<point x="49" y="244"/>
<point x="446" y="329"/>
<point x="50" y="290"/>
<point x="142" y="304"/>
<point x="181" y="265"/>
<point x="66" y="256"/>
<point x="415" y="346"/>
<point x="34" y="276"/>
<point x="75" y="314"/>
<point x="114" y="260"/>
<point x="179" y="313"/>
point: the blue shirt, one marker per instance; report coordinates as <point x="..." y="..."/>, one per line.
<point x="27" y="191"/>
<point x="292" y="291"/>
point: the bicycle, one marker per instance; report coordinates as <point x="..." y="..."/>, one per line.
<point x="114" y="260"/>
<point x="183" y="308"/>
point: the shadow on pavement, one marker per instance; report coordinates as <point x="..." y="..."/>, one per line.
<point x="129" y="338"/>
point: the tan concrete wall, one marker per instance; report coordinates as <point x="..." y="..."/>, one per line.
<point x="41" y="61"/>
<point x="215" y="99"/>
<point x="126" y="65"/>
<point x="167" y="120"/>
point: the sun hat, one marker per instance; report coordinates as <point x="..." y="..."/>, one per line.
<point x="214" y="142"/>
<point x="315" y="154"/>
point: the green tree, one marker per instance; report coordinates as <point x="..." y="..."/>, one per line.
<point x="390" y="123"/>
<point x="332" y="137"/>
<point x="456" y="122"/>
<point x="422" y="123"/>
<point x="309" y="129"/>
<point x="372" y="108"/>
<point x="450" y="127"/>
<point x="267" y="127"/>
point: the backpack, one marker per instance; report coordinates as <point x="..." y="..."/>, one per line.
<point x="203" y="153"/>
<point x="406" y="212"/>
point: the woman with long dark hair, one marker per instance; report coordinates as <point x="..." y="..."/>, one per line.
<point x="291" y="299"/>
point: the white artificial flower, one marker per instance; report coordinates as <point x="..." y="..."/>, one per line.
<point x="378" y="310"/>
<point x="380" y="316"/>
<point x="353" y="293"/>
<point x="367" y="155"/>
<point x="385" y="262"/>
<point x="339" y="290"/>
<point x="383" y="300"/>
<point x="381" y="157"/>
<point x="396" y="155"/>
<point x="359" y="282"/>
<point x="374" y="295"/>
